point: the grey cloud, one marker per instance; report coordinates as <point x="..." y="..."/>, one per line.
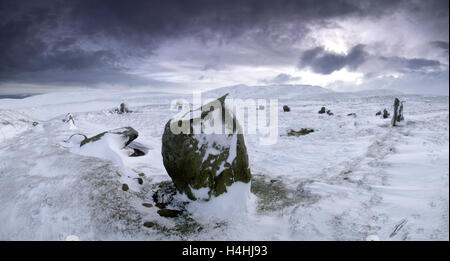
<point x="440" y="44"/>
<point x="323" y="62"/>
<point x="280" y="78"/>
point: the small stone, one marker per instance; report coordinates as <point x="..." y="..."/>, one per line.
<point x="140" y="181"/>
<point x="35" y="123"/>
<point x="125" y="187"/>
<point x="322" y="110"/>
<point x="149" y="224"/>
<point x="141" y="175"/>
<point x="301" y="132"/>
<point x="378" y="113"/>
<point x="169" y="212"/>
<point x="147" y="205"/>
<point x="352" y="114"/>
<point x="329" y="112"/>
<point x="385" y="114"/>
<point x="286" y="108"/>
<point x="161" y="205"/>
<point x="274" y="180"/>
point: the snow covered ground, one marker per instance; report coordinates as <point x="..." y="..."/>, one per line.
<point x="354" y="177"/>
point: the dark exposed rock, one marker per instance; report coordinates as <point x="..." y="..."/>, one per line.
<point x="149" y="224"/>
<point x="137" y="149"/>
<point x="301" y="132"/>
<point x="286" y="108"/>
<point x="352" y="114"/>
<point x="147" y="205"/>
<point x="164" y="194"/>
<point x="385" y="114"/>
<point x="398" y="112"/>
<point x="378" y="113"/>
<point x="137" y="153"/>
<point x="125" y="187"/>
<point x="322" y="110"/>
<point x="329" y="112"/>
<point x="169" y="212"/>
<point x="140" y="181"/>
<point x="188" y="159"/>
<point x="123" y="108"/>
<point x="35" y="123"/>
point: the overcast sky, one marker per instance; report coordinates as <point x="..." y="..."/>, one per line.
<point x="338" y="44"/>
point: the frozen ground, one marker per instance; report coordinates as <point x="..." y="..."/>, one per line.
<point x="354" y="177"/>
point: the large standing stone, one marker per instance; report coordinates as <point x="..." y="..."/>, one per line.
<point x="398" y="112"/>
<point x="204" y="165"/>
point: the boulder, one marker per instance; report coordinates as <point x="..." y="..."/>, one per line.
<point x="203" y="165"/>
<point x="286" y="108"/>
<point x="322" y="110"/>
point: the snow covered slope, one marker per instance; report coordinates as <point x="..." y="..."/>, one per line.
<point x="353" y="177"/>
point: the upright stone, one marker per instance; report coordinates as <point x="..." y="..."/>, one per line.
<point x="398" y="112"/>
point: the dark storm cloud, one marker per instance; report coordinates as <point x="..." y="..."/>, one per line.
<point x="441" y="45"/>
<point x="77" y="37"/>
<point x="323" y="62"/>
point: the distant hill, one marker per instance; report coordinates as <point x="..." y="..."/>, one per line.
<point x="269" y="91"/>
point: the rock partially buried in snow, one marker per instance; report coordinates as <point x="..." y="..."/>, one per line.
<point x="169" y="212"/>
<point x="123" y="108"/>
<point x="204" y="165"/>
<point x="164" y="194"/>
<point x="301" y="132"/>
<point x="127" y="134"/>
<point x="286" y="108"/>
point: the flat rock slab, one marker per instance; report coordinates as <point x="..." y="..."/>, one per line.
<point x="169" y="212"/>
